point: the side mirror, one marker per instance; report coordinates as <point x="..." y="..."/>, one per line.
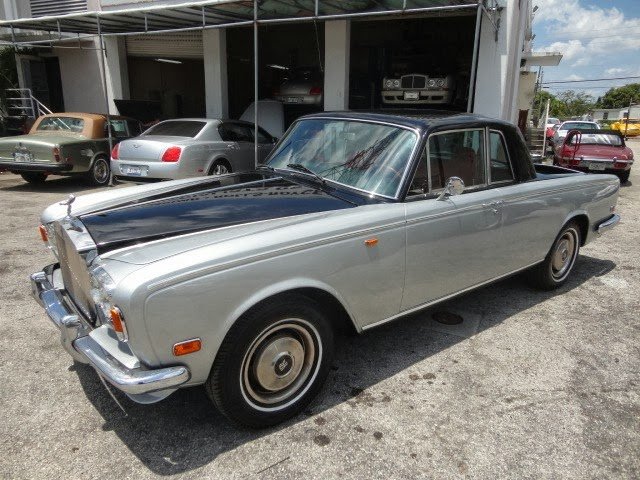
<point x="454" y="186"/>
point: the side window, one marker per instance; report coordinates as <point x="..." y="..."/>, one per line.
<point x="232" y="132"/>
<point x="263" y="137"/>
<point x="499" y="160"/>
<point x="118" y="128"/>
<point x="457" y="154"/>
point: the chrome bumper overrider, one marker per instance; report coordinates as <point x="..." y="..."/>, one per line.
<point x="608" y="224"/>
<point x="74" y="336"/>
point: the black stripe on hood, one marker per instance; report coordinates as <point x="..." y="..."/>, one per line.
<point x="207" y="209"/>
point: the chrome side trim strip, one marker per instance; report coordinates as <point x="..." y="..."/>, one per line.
<point x="446" y="297"/>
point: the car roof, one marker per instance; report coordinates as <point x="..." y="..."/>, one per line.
<point x="419" y="119"/>
<point x="92" y="116"/>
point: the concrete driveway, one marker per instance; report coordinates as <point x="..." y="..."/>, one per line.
<point x="530" y="385"/>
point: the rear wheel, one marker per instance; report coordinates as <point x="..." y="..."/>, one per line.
<point x="624" y="176"/>
<point x="556" y="267"/>
<point x="100" y="172"/>
<point x="35" y="178"/>
<point x="273" y="362"/>
<point x="220" y="167"/>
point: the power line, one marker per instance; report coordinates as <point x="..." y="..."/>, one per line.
<point x="590" y="80"/>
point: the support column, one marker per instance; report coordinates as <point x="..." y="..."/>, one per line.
<point x="214" y="42"/>
<point x="337" y="46"/>
<point x="117" y="71"/>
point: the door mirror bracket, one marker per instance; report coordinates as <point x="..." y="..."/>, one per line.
<point x="454" y="186"/>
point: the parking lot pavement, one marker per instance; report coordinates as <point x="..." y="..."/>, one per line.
<point x="531" y="385"/>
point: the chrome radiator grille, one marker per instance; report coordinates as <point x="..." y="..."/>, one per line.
<point x="413" y="81"/>
<point x="75" y="275"/>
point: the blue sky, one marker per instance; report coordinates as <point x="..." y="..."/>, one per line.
<point x="598" y="38"/>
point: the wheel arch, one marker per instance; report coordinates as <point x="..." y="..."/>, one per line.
<point x="331" y="302"/>
<point x="218" y="157"/>
<point x="582" y="219"/>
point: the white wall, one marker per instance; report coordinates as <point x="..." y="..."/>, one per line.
<point x="499" y="63"/>
<point x="337" y="46"/>
<point x="117" y="70"/>
<point x="214" y="43"/>
<point x="81" y="79"/>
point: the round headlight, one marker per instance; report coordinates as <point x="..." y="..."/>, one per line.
<point x="432" y="82"/>
<point x="440" y="83"/>
<point x="388" y="84"/>
<point x="396" y="83"/>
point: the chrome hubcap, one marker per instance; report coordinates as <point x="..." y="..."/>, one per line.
<point x="100" y="171"/>
<point x="564" y="254"/>
<point x="279" y="362"/>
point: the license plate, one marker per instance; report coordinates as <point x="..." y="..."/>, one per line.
<point x="411" y="96"/>
<point x="597" y="166"/>
<point x="22" y="157"/>
<point x="293" y="100"/>
<point x="133" y="171"/>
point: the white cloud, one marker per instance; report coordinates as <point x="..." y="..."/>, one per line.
<point x="615" y="71"/>
<point x="582" y="32"/>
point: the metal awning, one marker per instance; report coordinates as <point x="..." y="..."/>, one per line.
<point x="208" y="14"/>
<point x="219" y="13"/>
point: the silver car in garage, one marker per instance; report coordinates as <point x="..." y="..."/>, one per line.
<point x="189" y="147"/>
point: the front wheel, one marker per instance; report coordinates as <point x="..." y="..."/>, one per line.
<point x="557" y="265"/>
<point x="99" y="173"/>
<point x="272" y="362"/>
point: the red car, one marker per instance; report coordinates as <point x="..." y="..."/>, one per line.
<point x="601" y="151"/>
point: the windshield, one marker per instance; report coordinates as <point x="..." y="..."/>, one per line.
<point x="579" y="126"/>
<point x="176" y="128"/>
<point x="64" y="124"/>
<point x="366" y="156"/>
<point x="610" y="139"/>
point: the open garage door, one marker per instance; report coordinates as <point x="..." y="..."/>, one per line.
<point x="416" y="62"/>
<point x="166" y="74"/>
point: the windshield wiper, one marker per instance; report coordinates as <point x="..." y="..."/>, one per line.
<point x="301" y="168"/>
<point x="265" y="167"/>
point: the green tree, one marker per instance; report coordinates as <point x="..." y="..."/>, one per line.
<point x="575" y="104"/>
<point x="621" y="96"/>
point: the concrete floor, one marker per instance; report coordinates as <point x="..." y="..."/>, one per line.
<point x="531" y="385"/>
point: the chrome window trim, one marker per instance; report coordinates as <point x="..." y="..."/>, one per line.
<point x="506" y="150"/>
<point x="455" y="130"/>
<point x="396" y="196"/>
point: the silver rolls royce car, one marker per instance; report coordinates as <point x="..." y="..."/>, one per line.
<point x="240" y="282"/>
<point x="189" y="147"/>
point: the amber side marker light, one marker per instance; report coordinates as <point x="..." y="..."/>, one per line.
<point x="371" y="242"/>
<point x="188" y="346"/>
<point x="118" y="324"/>
<point x="43" y="233"/>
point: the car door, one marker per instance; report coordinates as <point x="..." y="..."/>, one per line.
<point x="265" y="143"/>
<point x="455" y="242"/>
<point x="239" y="145"/>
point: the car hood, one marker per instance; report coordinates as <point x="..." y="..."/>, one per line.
<point x="244" y="198"/>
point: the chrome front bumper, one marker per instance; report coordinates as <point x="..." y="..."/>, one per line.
<point x="75" y="336"/>
<point x="608" y="224"/>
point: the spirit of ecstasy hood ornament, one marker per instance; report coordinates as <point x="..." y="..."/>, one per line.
<point x="68" y="203"/>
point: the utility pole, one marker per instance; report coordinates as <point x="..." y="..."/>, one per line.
<point x="626" y="125"/>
